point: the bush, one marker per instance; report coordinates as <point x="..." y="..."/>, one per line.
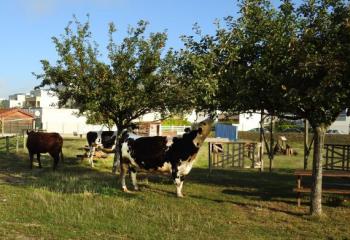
<point x="176" y="122"/>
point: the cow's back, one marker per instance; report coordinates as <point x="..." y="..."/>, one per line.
<point x="38" y="142"/>
<point x="147" y="152"/>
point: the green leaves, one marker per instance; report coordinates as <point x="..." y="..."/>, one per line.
<point x="286" y="60"/>
<point x="133" y="83"/>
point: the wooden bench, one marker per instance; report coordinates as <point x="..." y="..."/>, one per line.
<point x="330" y="174"/>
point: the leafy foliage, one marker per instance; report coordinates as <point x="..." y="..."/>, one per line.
<point x="136" y="81"/>
<point x="291" y="62"/>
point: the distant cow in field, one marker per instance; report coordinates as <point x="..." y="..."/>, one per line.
<point x="39" y="142"/>
<point x="153" y="154"/>
<point x="100" y="139"/>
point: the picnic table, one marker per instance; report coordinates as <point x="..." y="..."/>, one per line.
<point x="339" y="188"/>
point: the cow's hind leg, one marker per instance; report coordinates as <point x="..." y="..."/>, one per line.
<point x="123" y="171"/>
<point x="56" y="158"/>
<point x="38" y="158"/>
<point x="91" y="156"/>
<point x="31" y="156"/>
<point x="134" y="179"/>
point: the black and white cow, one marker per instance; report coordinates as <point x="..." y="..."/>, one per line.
<point x="153" y="154"/>
<point x="100" y="139"/>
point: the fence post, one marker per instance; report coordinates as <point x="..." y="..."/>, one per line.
<point x="17" y="142"/>
<point x="24" y="141"/>
<point x="7" y="144"/>
<point x="209" y="158"/>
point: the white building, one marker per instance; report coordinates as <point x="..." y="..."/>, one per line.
<point x="342" y="123"/>
<point x="39" y="98"/>
<point x="248" y="121"/>
<point x="17" y="100"/>
<point x="64" y="121"/>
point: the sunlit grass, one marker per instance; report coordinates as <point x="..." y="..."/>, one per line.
<point x="77" y="202"/>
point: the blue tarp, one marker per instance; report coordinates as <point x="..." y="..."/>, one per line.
<point x="226" y="131"/>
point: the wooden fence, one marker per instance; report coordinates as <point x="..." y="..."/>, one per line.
<point x="223" y="153"/>
<point x="10" y="142"/>
<point x="337" y="157"/>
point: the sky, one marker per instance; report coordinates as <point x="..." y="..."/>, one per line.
<point x="26" y="28"/>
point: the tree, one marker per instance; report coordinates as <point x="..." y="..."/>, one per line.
<point x="292" y="62"/>
<point x="135" y="81"/>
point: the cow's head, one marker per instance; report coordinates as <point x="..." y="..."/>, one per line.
<point x="198" y="136"/>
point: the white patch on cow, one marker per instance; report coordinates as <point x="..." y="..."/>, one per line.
<point x="165" y="168"/>
<point x="198" y="141"/>
<point x="134" y="180"/>
<point x="126" y="154"/>
<point x="98" y="140"/>
<point x="185" y="167"/>
<point x="133" y="136"/>
<point x="179" y="188"/>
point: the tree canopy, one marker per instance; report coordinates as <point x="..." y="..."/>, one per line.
<point x="292" y="62"/>
<point x="136" y="80"/>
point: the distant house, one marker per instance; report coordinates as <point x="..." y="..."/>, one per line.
<point x="14" y="120"/>
<point x="39" y="98"/>
<point x="63" y="120"/>
<point x="17" y="100"/>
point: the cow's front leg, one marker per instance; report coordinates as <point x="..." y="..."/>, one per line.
<point x="178" y="180"/>
<point x="123" y="171"/>
<point x="179" y="183"/>
<point x="91" y="156"/>
<point x="134" y="179"/>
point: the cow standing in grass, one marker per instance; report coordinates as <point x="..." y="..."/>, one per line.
<point x="39" y="142"/>
<point x="153" y="154"/>
<point x="100" y="139"/>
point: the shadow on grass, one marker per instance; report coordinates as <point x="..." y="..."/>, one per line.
<point x="264" y="184"/>
<point x="71" y="177"/>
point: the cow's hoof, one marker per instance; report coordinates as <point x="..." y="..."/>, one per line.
<point x="180" y="195"/>
<point x="125" y="190"/>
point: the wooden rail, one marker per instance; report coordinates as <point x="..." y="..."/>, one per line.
<point x="224" y="153"/>
<point x="337" y="157"/>
<point x="7" y="138"/>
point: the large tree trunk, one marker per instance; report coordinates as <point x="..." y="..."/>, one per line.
<point x="316" y="191"/>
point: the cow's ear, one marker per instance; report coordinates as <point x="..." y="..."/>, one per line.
<point x="199" y="130"/>
<point x="187" y="130"/>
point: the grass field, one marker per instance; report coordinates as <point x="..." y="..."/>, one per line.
<point x="77" y="202"/>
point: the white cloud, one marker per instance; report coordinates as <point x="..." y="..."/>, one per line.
<point x="40" y="8"/>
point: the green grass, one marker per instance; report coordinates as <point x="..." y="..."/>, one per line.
<point x="77" y="202"/>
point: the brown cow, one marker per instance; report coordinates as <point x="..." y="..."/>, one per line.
<point x="39" y="142"/>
